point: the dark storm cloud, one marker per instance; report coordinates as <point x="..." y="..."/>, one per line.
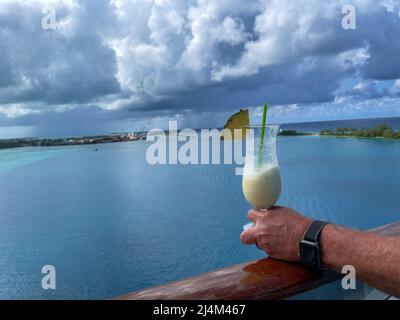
<point x="136" y="58"/>
<point x="53" y="67"/>
<point x="384" y="46"/>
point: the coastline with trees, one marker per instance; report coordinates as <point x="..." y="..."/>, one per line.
<point x="380" y="131"/>
<point x="377" y="132"/>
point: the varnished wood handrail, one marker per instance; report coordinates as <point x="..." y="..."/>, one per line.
<point x="263" y="279"/>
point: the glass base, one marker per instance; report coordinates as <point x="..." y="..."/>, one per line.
<point x="248" y="226"/>
<point x="252" y="224"/>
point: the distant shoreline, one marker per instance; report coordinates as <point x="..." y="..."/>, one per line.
<point x="70" y="141"/>
<point x="380" y="132"/>
<point x="355" y="137"/>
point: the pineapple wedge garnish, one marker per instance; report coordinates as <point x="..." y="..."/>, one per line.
<point x="240" y="120"/>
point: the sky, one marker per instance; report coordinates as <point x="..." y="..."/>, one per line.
<point x="126" y="65"/>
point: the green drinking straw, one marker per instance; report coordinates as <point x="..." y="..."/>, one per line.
<point x="261" y="146"/>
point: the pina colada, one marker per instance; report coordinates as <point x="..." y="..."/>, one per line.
<point x="262" y="185"/>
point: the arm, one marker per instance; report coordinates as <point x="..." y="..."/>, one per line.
<point x="376" y="259"/>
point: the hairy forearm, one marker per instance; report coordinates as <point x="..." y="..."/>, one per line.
<point x="375" y="258"/>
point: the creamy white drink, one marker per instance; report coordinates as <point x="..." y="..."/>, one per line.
<point x="262" y="186"/>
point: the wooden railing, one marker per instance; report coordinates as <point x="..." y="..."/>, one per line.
<point x="263" y="279"/>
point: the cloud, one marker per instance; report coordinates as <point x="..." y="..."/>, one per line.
<point x="141" y="58"/>
<point x="70" y="65"/>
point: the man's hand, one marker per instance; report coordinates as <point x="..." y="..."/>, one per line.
<point x="278" y="231"/>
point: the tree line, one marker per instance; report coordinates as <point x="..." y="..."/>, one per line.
<point x="379" y="131"/>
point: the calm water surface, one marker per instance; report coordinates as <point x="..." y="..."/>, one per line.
<point x="110" y="223"/>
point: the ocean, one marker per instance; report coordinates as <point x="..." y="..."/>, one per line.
<point x="110" y="223"/>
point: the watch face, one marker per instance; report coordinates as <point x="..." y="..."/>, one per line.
<point x="309" y="254"/>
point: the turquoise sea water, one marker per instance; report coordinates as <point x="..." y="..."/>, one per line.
<point x="13" y="158"/>
<point x="110" y="223"/>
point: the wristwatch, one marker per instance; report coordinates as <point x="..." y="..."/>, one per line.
<point x="310" y="251"/>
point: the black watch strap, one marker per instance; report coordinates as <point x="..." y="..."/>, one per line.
<point x="313" y="232"/>
<point x="310" y="252"/>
